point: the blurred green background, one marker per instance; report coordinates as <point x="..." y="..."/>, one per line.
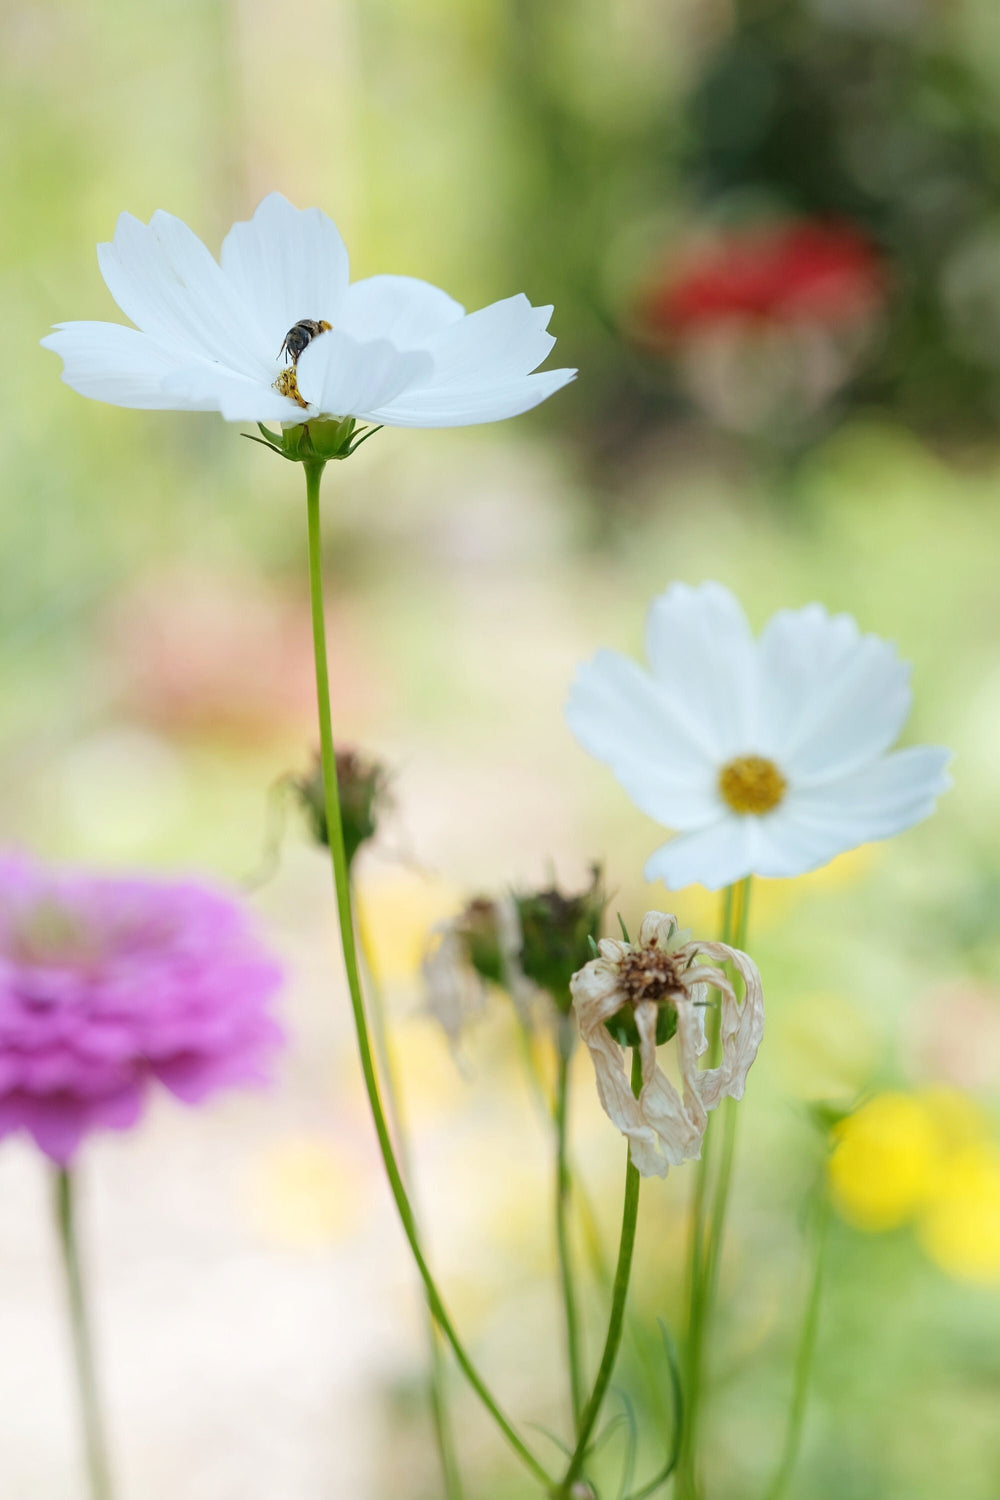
<point x="800" y="423"/>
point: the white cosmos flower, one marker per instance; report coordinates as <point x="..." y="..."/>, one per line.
<point x="768" y="756"/>
<point x="209" y="336"/>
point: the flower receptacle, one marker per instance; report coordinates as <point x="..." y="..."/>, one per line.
<point x="317" y="442"/>
<point x="361" y="782"/>
<point x="625" y="1032"/>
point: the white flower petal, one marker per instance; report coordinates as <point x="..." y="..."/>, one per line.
<point x="287" y="264"/>
<point x="109" y="362"/>
<point x="704" y="659"/>
<point x="164" y="279"/>
<point x="656" y="791"/>
<point x="783" y="844"/>
<point x="879" y="799"/>
<point x="621" y="715"/>
<point x="712" y="857"/>
<point x="343" y="377"/>
<point x="457" y="407"/>
<point x="492" y="346"/>
<point x="831" y="698"/>
<point x="402" y="309"/>
<point x="206" y="387"/>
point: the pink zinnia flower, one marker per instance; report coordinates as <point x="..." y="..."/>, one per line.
<point x="109" y="983"/>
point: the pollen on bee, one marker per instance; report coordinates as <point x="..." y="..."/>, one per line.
<point x="287" y="384"/>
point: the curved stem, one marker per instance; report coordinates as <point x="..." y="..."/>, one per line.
<point x="440" y="1416"/>
<point x="804" y="1356"/>
<point x="563" y="1183"/>
<point x="97" y="1461"/>
<point x="623" y="1271"/>
<point x="314" y="472"/>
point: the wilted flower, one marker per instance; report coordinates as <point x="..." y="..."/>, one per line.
<point x="642" y="995"/>
<point x="465" y="956"/>
<point x="108" y="984"/>
<point x="768" y="756"/>
<point x="274" y="332"/>
<point x="362" y="784"/>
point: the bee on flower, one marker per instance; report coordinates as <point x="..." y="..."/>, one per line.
<point x="646" y="994"/>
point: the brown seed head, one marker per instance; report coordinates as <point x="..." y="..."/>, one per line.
<point x="650" y="974"/>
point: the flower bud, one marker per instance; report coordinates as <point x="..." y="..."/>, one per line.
<point x="557" y="933"/>
<point x="362" y="786"/>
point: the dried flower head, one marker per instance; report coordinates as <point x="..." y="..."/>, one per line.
<point x="109" y="984"/>
<point x="467" y="955"/>
<point x="641" y="995"/>
<point x="363" y="787"/>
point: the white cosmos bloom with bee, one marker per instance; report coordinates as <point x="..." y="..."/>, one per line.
<point x="214" y="335"/>
<point x="767" y="756"/>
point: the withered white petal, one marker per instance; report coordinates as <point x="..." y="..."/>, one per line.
<point x="665" y="1126"/>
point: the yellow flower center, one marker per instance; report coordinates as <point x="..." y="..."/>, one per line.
<point x="752" y="784"/>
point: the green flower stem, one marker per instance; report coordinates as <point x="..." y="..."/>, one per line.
<point x="440" y="1416"/>
<point x="97" y="1461"/>
<point x="623" y="1271"/>
<point x="314" y="472"/>
<point x="706" y="1232"/>
<point x="730" y="1117"/>
<point x="563" y="1191"/>
<point x="806" y="1349"/>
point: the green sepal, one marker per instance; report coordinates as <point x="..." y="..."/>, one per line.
<point x="315" y="442"/>
<point x="625" y="1032"/>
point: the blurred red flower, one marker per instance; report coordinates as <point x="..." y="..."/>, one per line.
<point x="805" y="270"/>
<point x="768" y="323"/>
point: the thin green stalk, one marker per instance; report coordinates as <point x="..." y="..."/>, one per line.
<point x="730" y="1118"/>
<point x="616" y="1318"/>
<point x="676" y="1430"/>
<point x="314" y="473"/>
<point x="98" y="1471"/>
<point x="806" y="1350"/>
<point x="440" y="1416"/>
<point x="705" y="1233"/>
<point x="563" y="1187"/>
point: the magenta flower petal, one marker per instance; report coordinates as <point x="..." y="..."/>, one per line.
<point x="109" y="984"/>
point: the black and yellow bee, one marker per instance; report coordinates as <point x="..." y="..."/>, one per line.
<point x="300" y="336"/>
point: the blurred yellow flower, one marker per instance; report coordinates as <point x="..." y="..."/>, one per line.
<point x="960" y="1229"/>
<point x="887" y="1161"/>
<point x="927" y="1158"/>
